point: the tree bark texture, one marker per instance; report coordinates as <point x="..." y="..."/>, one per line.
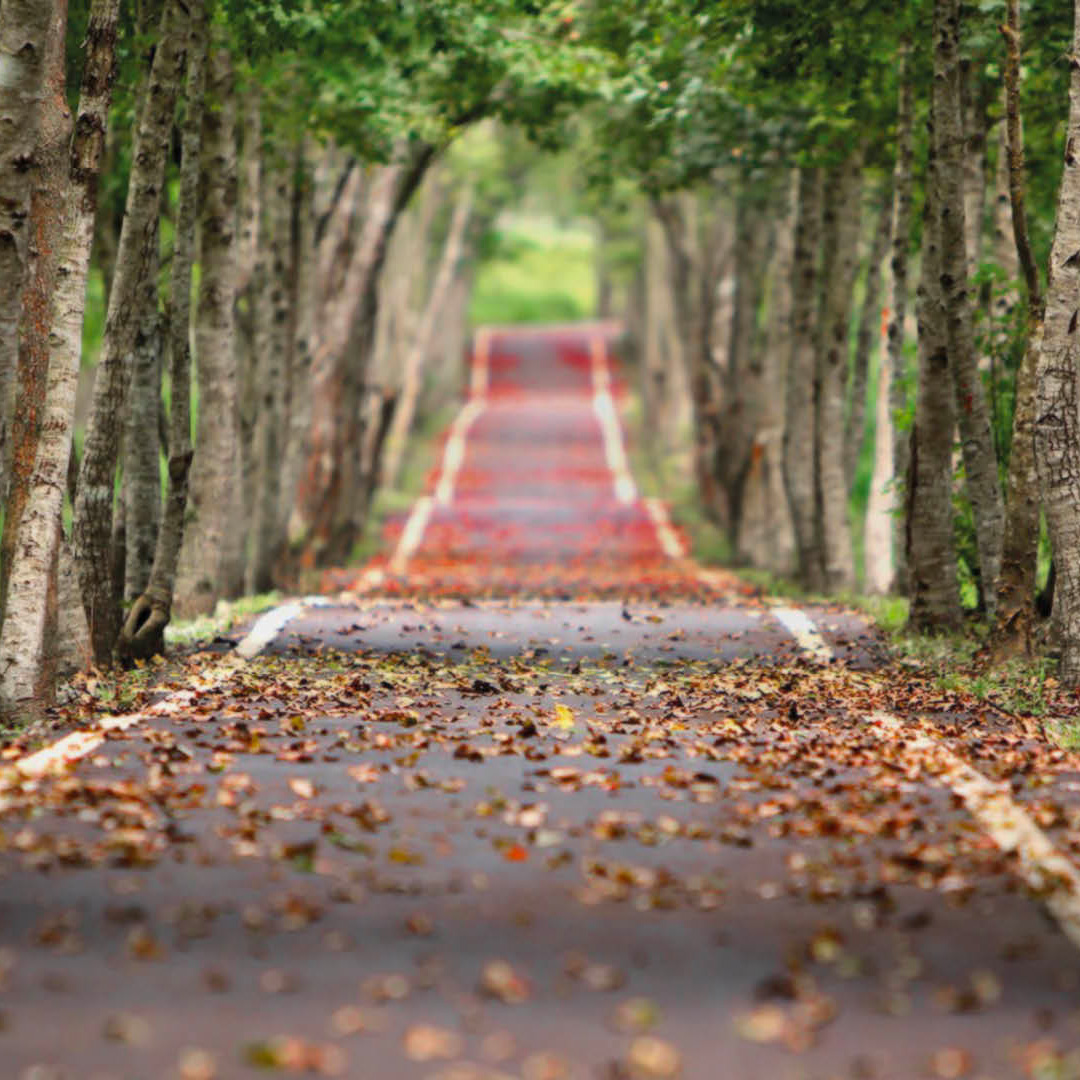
<point x="143" y="634"/>
<point x="1057" y="420"/>
<point x="1016" y="586"/>
<point x="904" y="185"/>
<point x="765" y="537"/>
<point x="800" y="417"/>
<point x="973" y="415"/>
<point x="141" y="453"/>
<point x="841" y="226"/>
<point x="330" y="496"/>
<point x="23" y="659"/>
<point x="213" y="498"/>
<point x="24" y="31"/>
<point x="92" y="526"/>
<point x="272" y="357"/>
<point x="867" y="336"/>
<point x="931" y="558"/>
<point x="48" y="197"/>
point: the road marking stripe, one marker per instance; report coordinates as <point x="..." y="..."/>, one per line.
<point x="1043" y="867"/>
<point x="807" y="636"/>
<point x="670" y="543"/>
<point x="454" y="452"/>
<point x="78" y="744"/>
<point x="604" y="407"/>
<point x="452" y="459"/>
<point x="412" y="534"/>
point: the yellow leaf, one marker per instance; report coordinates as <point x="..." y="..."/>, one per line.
<point x="564" y="717"/>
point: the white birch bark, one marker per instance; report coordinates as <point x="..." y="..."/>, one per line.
<point x="24" y="29"/>
<point x="93" y="514"/>
<point x="22" y="640"/>
<point x="1057" y="424"/>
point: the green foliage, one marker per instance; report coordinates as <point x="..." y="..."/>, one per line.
<point x="535" y="270"/>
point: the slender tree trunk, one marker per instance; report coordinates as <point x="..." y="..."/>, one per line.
<point x="331" y="493"/>
<point x="766" y="537"/>
<point x="24" y="31"/>
<point x="1005" y="256"/>
<point x="213" y="496"/>
<point x="143" y="634"/>
<point x="47" y="206"/>
<point x="272" y="342"/>
<point x="23" y="659"/>
<point x="800" y="419"/>
<point x="841" y="223"/>
<point x="931" y="558"/>
<point x="904" y="185"/>
<point x="138" y="240"/>
<point x="975" y="125"/>
<point x="878" y="557"/>
<point x="412" y="383"/>
<point x="980" y="459"/>
<point x="250" y="282"/>
<point x="142" y="444"/>
<point x="867" y="336"/>
<point x="304" y="304"/>
<point x="1016" y="586"/>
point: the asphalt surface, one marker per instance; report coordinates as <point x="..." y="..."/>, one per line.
<point x="616" y="822"/>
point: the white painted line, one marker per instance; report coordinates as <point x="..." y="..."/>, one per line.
<point x="1050" y="874"/>
<point x="454" y="452"/>
<point x="412" y="534"/>
<point x="807" y="636"/>
<point x="79" y="744"/>
<point x="611" y="429"/>
<point x="670" y="543"/>
<point x="271" y="623"/>
<point x="72" y="748"/>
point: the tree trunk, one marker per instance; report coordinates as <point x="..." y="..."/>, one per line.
<point x="739" y="453"/>
<point x="765" y="536"/>
<point x="143" y="634"/>
<point x="24" y="31"/>
<point x="1005" y="256"/>
<point x="141" y="490"/>
<point x="213" y="496"/>
<point x="878" y="557"/>
<point x="92" y="527"/>
<point x="23" y="659"/>
<point x="841" y="225"/>
<point x="304" y="300"/>
<point x="48" y="203"/>
<point x="800" y="420"/>
<point x="412" y="381"/>
<point x="867" y="336"/>
<point x="1016" y="586"/>
<point x="931" y="559"/>
<point x="330" y="493"/>
<point x="975" y="124"/>
<point x="272" y="345"/>
<point x="980" y="460"/>
<point x="1057" y="424"/>
<point x="904" y="185"/>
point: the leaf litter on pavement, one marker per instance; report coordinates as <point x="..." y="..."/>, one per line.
<point x="697" y="790"/>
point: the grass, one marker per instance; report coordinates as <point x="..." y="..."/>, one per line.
<point x="225" y="616"/>
<point x="537" y="271"/>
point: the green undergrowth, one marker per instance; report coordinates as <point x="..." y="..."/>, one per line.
<point x="224" y="618"/>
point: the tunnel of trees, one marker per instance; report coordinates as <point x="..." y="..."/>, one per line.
<point x="240" y="245"/>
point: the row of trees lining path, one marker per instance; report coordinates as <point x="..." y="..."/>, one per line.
<point x="771" y="159"/>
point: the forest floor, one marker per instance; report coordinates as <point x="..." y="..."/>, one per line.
<point x="533" y="796"/>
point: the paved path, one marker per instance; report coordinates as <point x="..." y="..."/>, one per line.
<point x="542" y="801"/>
